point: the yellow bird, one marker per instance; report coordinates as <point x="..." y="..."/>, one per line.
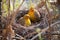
<point x="25" y="20"/>
<point x="34" y="14"/>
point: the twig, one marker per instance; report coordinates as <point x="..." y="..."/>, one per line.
<point x="13" y="4"/>
<point x="14" y="13"/>
<point x="49" y="21"/>
<point x="20" y="37"/>
<point x="8" y="25"/>
<point x="30" y="34"/>
<point x="44" y="30"/>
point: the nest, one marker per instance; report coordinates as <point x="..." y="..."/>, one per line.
<point x="34" y="24"/>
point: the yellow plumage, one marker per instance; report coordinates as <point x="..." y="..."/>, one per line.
<point x="34" y="14"/>
<point x="25" y="20"/>
<point x="31" y="14"/>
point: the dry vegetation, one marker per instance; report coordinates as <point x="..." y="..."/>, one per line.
<point x="47" y="28"/>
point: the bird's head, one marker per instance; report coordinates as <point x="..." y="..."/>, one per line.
<point x="31" y="9"/>
<point x="26" y="16"/>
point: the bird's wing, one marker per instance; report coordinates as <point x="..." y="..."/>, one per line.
<point x="21" y="21"/>
<point x="37" y="14"/>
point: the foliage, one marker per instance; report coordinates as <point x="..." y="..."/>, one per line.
<point x="38" y="31"/>
<point x="4" y="7"/>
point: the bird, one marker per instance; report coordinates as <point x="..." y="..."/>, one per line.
<point x="21" y="13"/>
<point x="25" y="20"/>
<point x="34" y="14"/>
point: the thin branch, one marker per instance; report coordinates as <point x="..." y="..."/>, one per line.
<point x="14" y="13"/>
<point x="44" y="30"/>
